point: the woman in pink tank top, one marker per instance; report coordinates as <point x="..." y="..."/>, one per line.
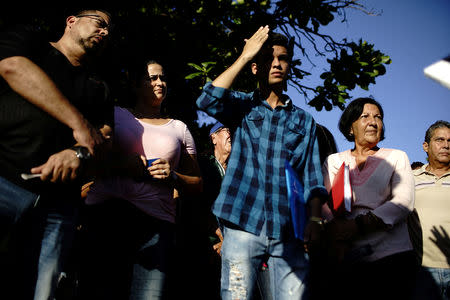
<point x="130" y="227"/>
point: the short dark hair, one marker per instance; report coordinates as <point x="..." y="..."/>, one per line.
<point x="352" y="112"/>
<point x="327" y="143"/>
<point x="277" y="39"/>
<point x="138" y="68"/>
<point x="433" y="127"/>
<point x="90" y="10"/>
<point x="416" y="165"/>
<point x="134" y="73"/>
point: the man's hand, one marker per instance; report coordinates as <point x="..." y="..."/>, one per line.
<point x="313" y="237"/>
<point x="86" y="135"/>
<point x="254" y="44"/>
<point x="218" y="247"/>
<point x="60" y="167"/>
<point x="251" y="48"/>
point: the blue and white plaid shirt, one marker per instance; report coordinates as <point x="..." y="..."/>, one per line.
<point x="254" y="188"/>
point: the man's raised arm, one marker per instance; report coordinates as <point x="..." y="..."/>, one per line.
<point x="251" y="48"/>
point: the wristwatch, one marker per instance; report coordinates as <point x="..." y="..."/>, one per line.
<point x="82" y="153"/>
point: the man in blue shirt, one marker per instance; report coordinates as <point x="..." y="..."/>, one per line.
<point x="253" y="206"/>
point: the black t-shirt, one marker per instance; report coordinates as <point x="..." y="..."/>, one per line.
<point x="28" y="135"/>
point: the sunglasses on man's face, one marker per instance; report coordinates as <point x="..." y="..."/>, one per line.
<point x="100" y="22"/>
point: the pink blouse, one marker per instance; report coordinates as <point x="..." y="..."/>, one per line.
<point x="385" y="186"/>
<point x="133" y="136"/>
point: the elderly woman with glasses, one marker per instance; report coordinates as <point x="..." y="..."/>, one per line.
<point x="131" y="221"/>
<point x="370" y="243"/>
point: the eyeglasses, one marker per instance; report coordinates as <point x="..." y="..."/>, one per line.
<point x="100" y="22"/>
<point x="161" y="77"/>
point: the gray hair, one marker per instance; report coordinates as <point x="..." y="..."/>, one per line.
<point x="433" y="127"/>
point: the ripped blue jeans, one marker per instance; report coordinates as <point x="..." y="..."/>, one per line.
<point x="242" y="256"/>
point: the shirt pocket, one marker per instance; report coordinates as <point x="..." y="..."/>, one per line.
<point x="255" y="122"/>
<point x="294" y="135"/>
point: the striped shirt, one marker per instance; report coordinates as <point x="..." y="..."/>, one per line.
<point x="254" y="189"/>
<point x="433" y="223"/>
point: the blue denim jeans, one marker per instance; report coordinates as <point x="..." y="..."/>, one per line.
<point x="433" y="284"/>
<point x="127" y="254"/>
<point x="242" y="256"/>
<point x="14" y="202"/>
<point x="38" y="249"/>
<point x="57" y="236"/>
<point x="152" y="263"/>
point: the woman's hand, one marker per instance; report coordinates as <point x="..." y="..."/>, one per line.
<point x="339" y="234"/>
<point x="159" y="169"/>
<point x="342" y="229"/>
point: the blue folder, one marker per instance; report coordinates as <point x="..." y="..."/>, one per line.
<point x="296" y="200"/>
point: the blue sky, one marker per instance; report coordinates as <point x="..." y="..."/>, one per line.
<point x="415" y="34"/>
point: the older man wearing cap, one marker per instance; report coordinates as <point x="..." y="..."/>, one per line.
<point x="213" y="168"/>
<point x="221" y="141"/>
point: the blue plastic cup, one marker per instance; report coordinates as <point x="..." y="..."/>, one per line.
<point x="149" y="161"/>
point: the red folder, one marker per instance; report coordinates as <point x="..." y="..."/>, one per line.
<point x="341" y="191"/>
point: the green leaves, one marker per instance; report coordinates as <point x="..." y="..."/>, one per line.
<point x="360" y="68"/>
<point x="204" y="70"/>
<point x="196" y="40"/>
<point x="351" y="65"/>
<point x="193" y="75"/>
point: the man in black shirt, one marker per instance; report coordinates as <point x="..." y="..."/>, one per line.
<point x="55" y="119"/>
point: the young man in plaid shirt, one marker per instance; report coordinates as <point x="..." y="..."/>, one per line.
<point x="253" y="206"/>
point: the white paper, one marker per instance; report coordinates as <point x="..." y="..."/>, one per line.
<point x="347" y="190"/>
<point x="29" y="176"/>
